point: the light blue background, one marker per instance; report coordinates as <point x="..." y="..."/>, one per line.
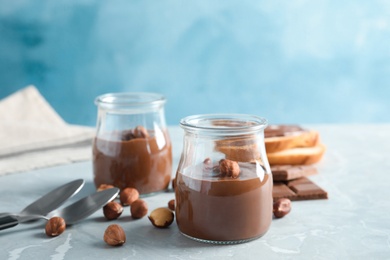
<point x="292" y="61"/>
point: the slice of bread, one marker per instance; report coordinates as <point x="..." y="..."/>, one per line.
<point x="298" y="139"/>
<point x="297" y="156"/>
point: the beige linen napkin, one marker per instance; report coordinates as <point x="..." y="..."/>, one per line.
<point x="33" y="135"/>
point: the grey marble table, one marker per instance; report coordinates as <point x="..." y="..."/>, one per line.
<point x="354" y="223"/>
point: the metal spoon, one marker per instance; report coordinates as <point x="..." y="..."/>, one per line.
<point x="75" y="212"/>
<point x="46" y="203"/>
<point x="86" y="206"/>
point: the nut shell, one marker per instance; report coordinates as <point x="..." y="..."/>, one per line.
<point x="171" y="204"/>
<point x="114" y="235"/>
<point x="128" y="196"/>
<point x="104" y="187"/>
<point x="229" y="168"/>
<point x="140" y="132"/>
<point x="139" y="209"/>
<point x="161" y="217"/>
<point x="55" y="226"/>
<point x="281" y="207"/>
<point x="112" y="210"/>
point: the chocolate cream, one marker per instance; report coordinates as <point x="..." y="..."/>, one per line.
<point x="122" y="160"/>
<point x="212" y="208"/>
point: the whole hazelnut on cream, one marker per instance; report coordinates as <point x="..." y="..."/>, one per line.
<point x="140" y="132"/>
<point x="229" y="168"/>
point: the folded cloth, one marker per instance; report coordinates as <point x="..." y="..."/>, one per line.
<point x="33" y="135"/>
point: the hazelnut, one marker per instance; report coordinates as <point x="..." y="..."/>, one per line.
<point x="229" y="168"/>
<point x="55" y="226"/>
<point x="207" y="161"/>
<point x="281" y="207"/>
<point x="161" y="217"/>
<point x="215" y="169"/>
<point x="139" y="209"/>
<point x="140" y="132"/>
<point x="127" y="135"/>
<point x="207" y="164"/>
<point x="171" y="204"/>
<point x="104" y="187"/>
<point x="128" y="196"/>
<point x="114" y="235"/>
<point x="173" y="183"/>
<point x="112" y="210"/>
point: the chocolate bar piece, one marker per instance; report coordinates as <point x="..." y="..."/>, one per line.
<point x="299" y="189"/>
<point x="290" y="172"/>
<point x="281" y="190"/>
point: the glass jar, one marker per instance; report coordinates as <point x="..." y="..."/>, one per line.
<point x="132" y="147"/>
<point x="223" y="184"/>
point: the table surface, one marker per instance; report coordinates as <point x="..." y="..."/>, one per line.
<point x="354" y="223"/>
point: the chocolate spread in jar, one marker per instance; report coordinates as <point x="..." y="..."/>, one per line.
<point x="212" y="208"/>
<point x="144" y="163"/>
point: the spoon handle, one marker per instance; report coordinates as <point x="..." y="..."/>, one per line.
<point x="11" y="220"/>
<point x="8" y="221"/>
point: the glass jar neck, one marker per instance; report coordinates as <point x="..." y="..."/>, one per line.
<point x="130" y="103"/>
<point x="125" y="111"/>
<point x="219" y="125"/>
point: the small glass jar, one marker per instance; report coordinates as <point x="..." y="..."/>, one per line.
<point x="223" y="184"/>
<point x="132" y="147"/>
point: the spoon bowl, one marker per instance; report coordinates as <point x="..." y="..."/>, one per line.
<point x="51" y="200"/>
<point x="73" y="213"/>
<point x="86" y="206"/>
<point x="78" y="210"/>
<point x="44" y="204"/>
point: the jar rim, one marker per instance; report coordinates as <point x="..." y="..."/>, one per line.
<point x="224" y="124"/>
<point x="130" y="100"/>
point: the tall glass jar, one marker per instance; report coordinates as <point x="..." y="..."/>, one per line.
<point x="223" y="182"/>
<point x="132" y="147"/>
